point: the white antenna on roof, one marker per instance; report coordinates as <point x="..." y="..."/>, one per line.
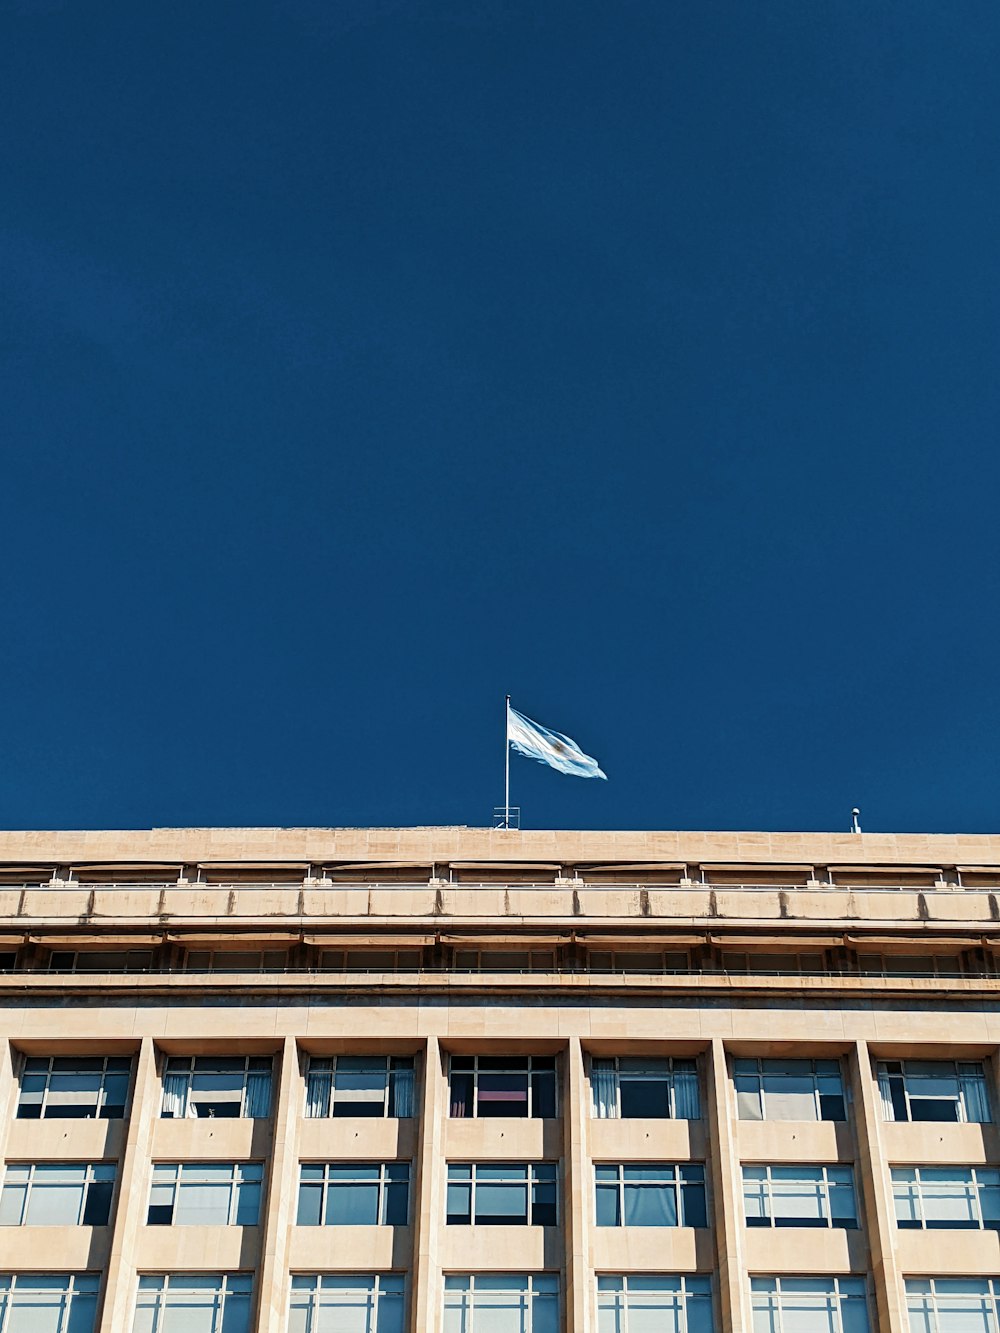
<point x="855" y="820"/>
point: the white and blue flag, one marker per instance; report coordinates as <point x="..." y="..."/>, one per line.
<point x="549" y="747"/>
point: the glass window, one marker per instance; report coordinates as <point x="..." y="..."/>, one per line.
<point x="366" y="1194"/>
<point x="809" y="1305"/>
<point x="953" y="1305"/>
<point x="666" y="1303"/>
<point x="935" y="1197"/>
<point x="57" y="1194"/>
<point x="501" y="1303"/>
<point x="231" y="1087"/>
<point x="799" y="1196"/>
<point x="499" y="960"/>
<point x="354" y="1303"/>
<point x="236" y="960"/>
<point x="213" y="1194"/>
<point x="789" y="1090"/>
<point x="101" y="960"/>
<point x="511" y="1194"/>
<point x="360" y="1085"/>
<point x="199" y="1302"/>
<point x="939" y="1090"/>
<point x="48" y="1302"/>
<point x="651" y="1195"/>
<point x="628" y="1088"/>
<point x="371" y="960"/>
<point x="513" y="1085"/>
<point x="74" y="1087"/>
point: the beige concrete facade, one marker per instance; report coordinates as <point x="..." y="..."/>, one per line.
<point x="573" y="896"/>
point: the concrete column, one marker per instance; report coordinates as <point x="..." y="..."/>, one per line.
<point x="426" y="1284"/>
<point x="727" y="1196"/>
<point x="132" y="1199"/>
<point x="577" y="1193"/>
<point x="282" y="1195"/>
<point x="8" y="1094"/>
<point x="875" y="1188"/>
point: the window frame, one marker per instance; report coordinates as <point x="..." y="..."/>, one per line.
<point x="836" y="1282"/>
<point x="94" y="1174"/>
<point x="395" y="1066"/>
<point x="669" y="1078"/>
<point x="894" y="1090"/>
<point x="674" y="1183"/>
<point x="760" y="1075"/>
<point x="535" y="1176"/>
<point x="923" y="1293"/>
<point x="384" y="1287"/>
<point x="916" y="1195"/>
<point x="385" y="1185"/>
<point x="135" y="960"/>
<point x="100" y="1104"/>
<point x="535" y="1287"/>
<point x="827" y="1221"/>
<point x="229" y="1286"/>
<point x="620" y="1287"/>
<point x="236" y="1182"/>
<point x="76" y="1286"/>
<point x="251" y="1064"/>
<point x="529" y="1072"/>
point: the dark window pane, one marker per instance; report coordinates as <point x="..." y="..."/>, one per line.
<point x="926" y="1108"/>
<point x="159" y="1215"/>
<point x="646" y="1098"/>
<point x="831" y="1107"/>
<point x="397" y="1197"/>
<point x="461" y="1095"/>
<point x="693" y="1204"/>
<point x="98" y="1206"/>
<point x="543" y="1095"/>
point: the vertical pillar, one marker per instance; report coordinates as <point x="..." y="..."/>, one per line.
<point x="427" y="1287"/>
<point x="727" y="1196"/>
<point x="578" y="1207"/>
<point x="876" y="1188"/>
<point x="133" y="1194"/>
<point x="282" y="1190"/>
<point x="8" y="1094"/>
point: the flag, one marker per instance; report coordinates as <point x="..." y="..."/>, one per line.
<point x="549" y="747"/>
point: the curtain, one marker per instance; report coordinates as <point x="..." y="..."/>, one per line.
<point x="885" y="1093"/>
<point x="319" y="1081"/>
<point x="974" y="1099"/>
<point x="402" y="1101"/>
<point x="686" y="1105"/>
<point x="604" y="1083"/>
<point x="258" y="1098"/>
<point x="175" y="1097"/>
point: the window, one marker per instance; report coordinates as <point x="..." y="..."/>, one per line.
<point x="360" y="1085"/>
<point x="74" y="1087"/>
<point x="57" y="1194"/>
<point x="933" y="1090"/>
<point x="627" y="1088"/>
<point x="626" y="960"/>
<point x="501" y="960"/>
<point x="820" y="1304"/>
<point x="911" y="965"/>
<point x="497" y="1085"/>
<point x="669" y="1304"/>
<point x="237" y="1086"/>
<point x="366" y="1303"/>
<point x="236" y="960"/>
<point x="8" y="961"/>
<point x="207" y="1194"/>
<point x="790" y="1090"/>
<point x="949" y="1196"/>
<point x="650" y="1196"/>
<point x="757" y="963"/>
<point x="201" y="1302"/>
<point x="799" y="1196"/>
<point x="118" y="960"/>
<point x="371" y="960"/>
<point x="48" y="1302"/>
<point x="361" y="1194"/>
<point x="953" y="1305"/>
<point x="512" y="1194"/>
<point x="502" y="1303"/>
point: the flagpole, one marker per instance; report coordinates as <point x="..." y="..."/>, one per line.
<point x="506" y="764"/>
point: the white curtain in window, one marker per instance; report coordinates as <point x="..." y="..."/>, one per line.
<point x="885" y="1093"/>
<point x="604" y="1082"/>
<point x="686" y="1105"/>
<point x="175" y="1096"/>
<point x="974" y="1098"/>
<point x="403" y="1093"/>
<point x="318" y="1085"/>
<point x="258" y="1102"/>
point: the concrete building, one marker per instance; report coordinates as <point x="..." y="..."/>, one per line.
<point x="470" y="1081"/>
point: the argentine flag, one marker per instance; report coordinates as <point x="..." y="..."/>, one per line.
<point x="549" y="747"/>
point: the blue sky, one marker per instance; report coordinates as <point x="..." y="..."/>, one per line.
<point x="363" y="362"/>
